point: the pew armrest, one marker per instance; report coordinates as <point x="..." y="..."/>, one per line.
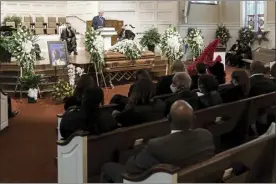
<point x="162" y="173"/>
<point x="72" y="158"/>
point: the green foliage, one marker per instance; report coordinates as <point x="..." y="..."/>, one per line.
<point x="223" y="34"/>
<point x="151" y="37"/>
<point x="30" y="80"/>
<point x="246" y="35"/>
<point x="62" y="89"/>
<point x="16" y="19"/>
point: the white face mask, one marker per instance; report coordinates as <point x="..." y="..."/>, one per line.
<point x="173" y="88"/>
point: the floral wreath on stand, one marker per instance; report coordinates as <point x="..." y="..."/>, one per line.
<point x="246" y="35"/>
<point x="94" y="44"/>
<point x="194" y="40"/>
<point x="130" y="48"/>
<point x="64" y="89"/>
<point x="222" y="33"/>
<point x="22" y="48"/>
<point x="171" y="46"/>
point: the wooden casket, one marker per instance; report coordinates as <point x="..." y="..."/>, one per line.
<point x="117" y="62"/>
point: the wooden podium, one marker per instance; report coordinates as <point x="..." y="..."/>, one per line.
<point x="117" y="24"/>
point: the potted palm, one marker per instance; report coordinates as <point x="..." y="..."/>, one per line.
<point x="150" y="39"/>
<point x="30" y="81"/>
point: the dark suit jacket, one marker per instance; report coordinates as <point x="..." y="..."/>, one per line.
<point x="261" y="85"/>
<point x="189" y="96"/>
<point x="180" y="149"/>
<point x="194" y="84"/>
<point x="133" y="115"/>
<point x="210" y="100"/>
<point x="65" y="34"/>
<point x="163" y="85"/>
<point x="218" y="71"/>
<point x="232" y="94"/>
<point x="96" y="22"/>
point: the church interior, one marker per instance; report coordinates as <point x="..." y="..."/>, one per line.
<point x="70" y="68"/>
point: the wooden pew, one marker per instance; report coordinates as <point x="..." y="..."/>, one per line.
<point x="93" y="151"/>
<point x="251" y="162"/>
<point x="4" y="118"/>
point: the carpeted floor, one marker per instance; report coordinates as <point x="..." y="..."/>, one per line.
<point x="27" y="147"/>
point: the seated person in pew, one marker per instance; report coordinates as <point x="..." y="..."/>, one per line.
<point x="183" y="147"/>
<point x="164" y="83"/>
<point x="201" y="69"/>
<point x="139" y="74"/>
<point x="11" y="114"/>
<point x="273" y="73"/>
<point x="180" y="86"/>
<point x="84" y="82"/>
<point x="209" y="95"/>
<point x="241" y="86"/>
<point x="141" y="107"/>
<point x="122" y="100"/>
<point x="89" y="116"/>
<point x="259" y="83"/>
<point x="217" y="69"/>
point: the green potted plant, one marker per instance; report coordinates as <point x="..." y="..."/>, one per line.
<point x="16" y="19"/>
<point x="151" y="38"/>
<point x="30" y="81"/>
<point x="62" y="89"/>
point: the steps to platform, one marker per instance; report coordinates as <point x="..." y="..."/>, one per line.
<point x="10" y="72"/>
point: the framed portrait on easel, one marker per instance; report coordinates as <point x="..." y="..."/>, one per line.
<point x="58" y="53"/>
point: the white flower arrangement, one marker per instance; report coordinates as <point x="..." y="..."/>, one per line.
<point x="172" y="45"/>
<point x="22" y="48"/>
<point x="73" y="73"/>
<point x="194" y="40"/>
<point x="32" y="93"/>
<point x="95" y="46"/>
<point x="131" y="49"/>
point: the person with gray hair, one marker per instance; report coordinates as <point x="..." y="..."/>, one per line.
<point x="181" y="84"/>
<point x="163" y="84"/>
<point x="98" y="21"/>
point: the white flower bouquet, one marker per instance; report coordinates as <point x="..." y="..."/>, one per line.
<point x="95" y="46"/>
<point x="171" y="46"/>
<point x="130" y="48"/>
<point x="194" y="40"/>
<point x="22" y="48"/>
<point x="74" y="73"/>
<point x="32" y="95"/>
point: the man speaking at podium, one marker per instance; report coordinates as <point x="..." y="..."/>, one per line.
<point x="98" y="21"/>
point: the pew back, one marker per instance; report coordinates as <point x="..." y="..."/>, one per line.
<point x="117" y="145"/>
<point x="250" y="162"/>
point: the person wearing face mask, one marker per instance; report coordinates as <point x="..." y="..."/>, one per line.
<point x="98" y="21"/>
<point x="69" y="35"/>
<point x="240" y="89"/>
<point x="181" y="84"/>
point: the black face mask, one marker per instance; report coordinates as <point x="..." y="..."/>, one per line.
<point x="69" y="27"/>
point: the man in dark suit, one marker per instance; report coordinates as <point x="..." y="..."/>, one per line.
<point x="69" y="35"/>
<point x="181" y="84"/>
<point x="259" y="83"/>
<point x="98" y="21"/>
<point x="183" y="147"/>
<point x="164" y="83"/>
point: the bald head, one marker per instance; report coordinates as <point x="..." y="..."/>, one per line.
<point x="181" y="115"/>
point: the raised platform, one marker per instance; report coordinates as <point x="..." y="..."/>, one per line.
<point x="9" y="72"/>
